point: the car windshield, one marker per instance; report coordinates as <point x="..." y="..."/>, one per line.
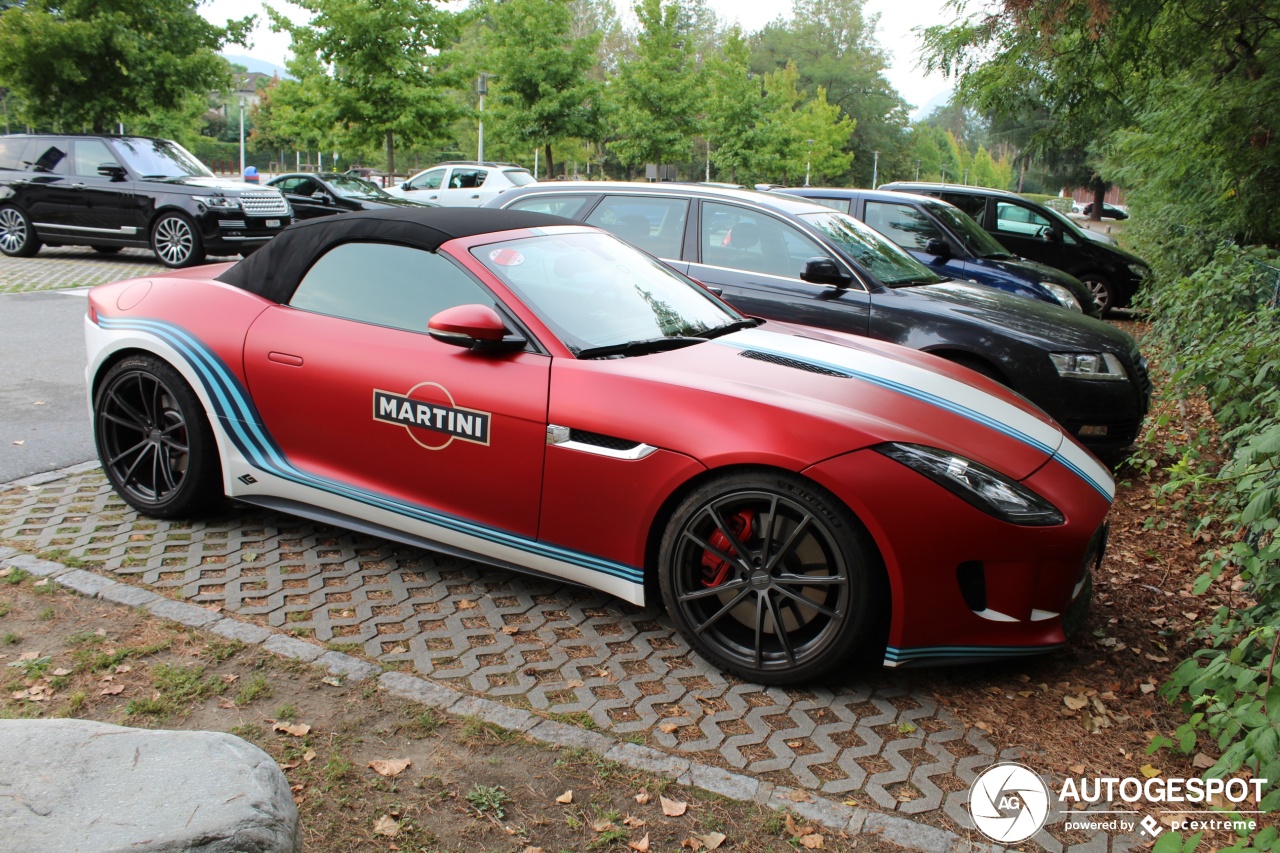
<point x="595" y="291"/>
<point x="519" y="177"/>
<point x="160" y="158"/>
<point x="348" y="186"/>
<point x="970" y="233"/>
<point x="888" y="263"/>
<point x="1067" y="225"/>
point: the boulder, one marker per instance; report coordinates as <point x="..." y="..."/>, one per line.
<point x="75" y="786"/>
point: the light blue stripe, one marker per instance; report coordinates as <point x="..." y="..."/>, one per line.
<point x="934" y="400"/>
<point x="230" y="399"/>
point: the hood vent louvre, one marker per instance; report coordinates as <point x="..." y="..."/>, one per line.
<point x="783" y="361"/>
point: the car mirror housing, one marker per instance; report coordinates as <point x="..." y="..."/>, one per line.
<point x="824" y="271"/>
<point x="114" y="171"/>
<point x="474" y="327"/>
<point x="938" y="246"/>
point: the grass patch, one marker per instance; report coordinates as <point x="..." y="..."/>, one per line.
<point x="46" y="614"/>
<point x="10" y="639"/>
<point x="177" y="687"/>
<point x="476" y="731"/>
<point x="97" y="661"/>
<point x="487" y="798"/>
<point x="576" y="718"/>
<point x="222" y="650"/>
<point x="255" y="687"/>
<point x="287" y="713"/>
<point x="17" y="576"/>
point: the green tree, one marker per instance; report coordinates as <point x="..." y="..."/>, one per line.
<point x="658" y="93"/>
<point x="375" y="65"/>
<point x="544" y="92"/>
<point x="799" y="136"/>
<point x="92" y="63"/>
<point x="734" y="107"/>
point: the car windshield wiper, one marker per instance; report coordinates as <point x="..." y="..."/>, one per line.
<point x="735" y="326"/>
<point x="638" y="347"/>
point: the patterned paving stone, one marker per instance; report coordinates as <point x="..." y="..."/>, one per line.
<point x="570" y="654"/>
<point x="73" y="266"/>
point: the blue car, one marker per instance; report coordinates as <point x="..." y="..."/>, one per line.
<point x="945" y="239"/>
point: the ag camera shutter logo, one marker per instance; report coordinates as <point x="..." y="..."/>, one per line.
<point x="1009" y="803"/>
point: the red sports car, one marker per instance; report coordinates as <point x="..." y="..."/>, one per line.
<point x="543" y="397"/>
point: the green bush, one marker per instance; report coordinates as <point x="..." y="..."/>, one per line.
<point x="1221" y="323"/>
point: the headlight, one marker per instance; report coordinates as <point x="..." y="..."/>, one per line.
<point x="1065" y="297"/>
<point x="1089" y="365"/>
<point x="218" y="202"/>
<point x="993" y="493"/>
<point x="1139" y="271"/>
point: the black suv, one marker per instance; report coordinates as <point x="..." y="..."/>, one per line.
<point x="109" y="192"/>
<point x="784" y="258"/>
<point x="1035" y="232"/>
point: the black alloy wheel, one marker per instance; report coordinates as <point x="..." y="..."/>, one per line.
<point x="17" y="237"/>
<point x="176" y="242"/>
<point x="770" y="577"/>
<point x="153" y="439"/>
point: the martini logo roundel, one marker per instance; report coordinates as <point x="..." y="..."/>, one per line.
<point x="430" y="416"/>
<point x="1009" y="803"/>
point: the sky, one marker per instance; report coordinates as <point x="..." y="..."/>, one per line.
<point x="897" y="20"/>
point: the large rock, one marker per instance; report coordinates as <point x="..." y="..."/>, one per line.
<point x="73" y="786"/>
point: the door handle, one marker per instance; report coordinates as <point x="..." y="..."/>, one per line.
<point x="76" y="186"/>
<point x="285" y="358"/>
<point x="477" y="195"/>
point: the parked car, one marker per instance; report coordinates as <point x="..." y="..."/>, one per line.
<point x="1034" y="231"/>
<point x="561" y="403"/>
<point x="326" y="193"/>
<point x="1108" y="211"/>
<point x="947" y="241"/>
<point x="463" y="184"/>
<point x="784" y="258"/>
<point x="110" y="192"/>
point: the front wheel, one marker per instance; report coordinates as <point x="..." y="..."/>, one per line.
<point x="176" y="242"/>
<point x="770" y="577"/>
<point x="154" y="441"/>
<point x="17" y="237"/>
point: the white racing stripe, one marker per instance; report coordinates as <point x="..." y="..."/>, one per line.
<point x="936" y="389"/>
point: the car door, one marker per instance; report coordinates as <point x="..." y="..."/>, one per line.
<point x="1027" y="233"/>
<point x="355" y="392"/>
<point x="105" y="206"/>
<point x="48" y="194"/>
<point x="755" y="260"/>
<point x="425" y="187"/>
<point x="462" y="187"/>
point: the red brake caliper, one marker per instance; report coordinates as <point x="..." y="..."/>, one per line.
<point x="715" y="571"/>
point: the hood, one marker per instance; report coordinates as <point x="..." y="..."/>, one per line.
<point x="1026" y="268"/>
<point x="1037" y="323"/>
<point x="792" y="396"/>
<point x="226" y="186"/>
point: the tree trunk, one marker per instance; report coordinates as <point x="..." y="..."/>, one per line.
<point x="1099" y="194"/>
<point x="551" y="164"/>
<point x="391" y="152"/>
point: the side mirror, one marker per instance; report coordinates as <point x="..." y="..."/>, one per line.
<point x="939" y="247"/>
<point x="114" y="171"/>
<point x="474" y="327"/>
<point x="405" y="185"/>
<point x="824" y="271"/>
<point x="1051" y="235"/>
<point x="322" y="197"/>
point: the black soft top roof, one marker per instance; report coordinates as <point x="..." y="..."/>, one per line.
<point x="273" y="272"/>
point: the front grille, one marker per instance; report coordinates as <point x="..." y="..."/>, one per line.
<point x="598" y="440"/>
<point x="231" y="223"/>
<point x="783" y="361"/>
<point x="264" y="204"/>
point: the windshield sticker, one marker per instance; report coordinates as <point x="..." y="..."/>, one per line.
<point x="430" y="416"/>
<point x="506" y="257"/>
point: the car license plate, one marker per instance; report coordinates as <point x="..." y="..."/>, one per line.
<point x="273" y="223"/>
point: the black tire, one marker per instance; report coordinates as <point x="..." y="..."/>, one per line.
<point x="154" y="441"/>
<point x="106" y="250"/>
<point x="176" y="241"/>
<point x="977" y="365"/>
<point x="18" y="238"/>
<point x="1104" y="292"/>
<point x="816" y="573"/>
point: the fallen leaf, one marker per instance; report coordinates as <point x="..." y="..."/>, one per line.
<point x="466" y="604"/>
<point x="565" y="798"/>
<point x="1202" y="761"/>
<point x="398" y="650"/>
<point x="643" y="797"/>
<point x="691" y="843"/>
<point x="574" y="684"/>
<point x="309" y="756"/>
<point x="1077" y="769"/>
<point x="851" y="803"/>
<point x="26" y="656"/>
<point x="672" y="808"/>
<point x="1147" y="688"/>
<point x="632" y="822"/>
<point x="19" y="442"/>
<point x="533" y="850"/>
<point x="510" y="629"/>
<point x="230" y="678"/>
<point x="386" y="825"/>
<point x="1149" y="771"/>
<point x="994" y="691"/>
<point x="812" y="842"/>
<point x="112" y="690"/>
<point x="291" y="765"/>
<point x="641" y="846"/>
<point x="798" y="796"/>
<point x="226" y="704"/>
<point x="295" y="729"/>
<point x="4" y="573"/>
<point x="602" y="825"/>
<point x="61" y="671"/>
<point x="390" y="767"/>
<point x="712" y="840"/>
<point x="249" y="556"/>
<point x="793" y="829"/>
<point x="332" y="680"/>
<point x="41" y="582"/>
<point x="668" y="728"/>
<point x="1075" y="703"/>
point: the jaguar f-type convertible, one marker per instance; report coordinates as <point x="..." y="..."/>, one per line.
<point x="542" y="397"/>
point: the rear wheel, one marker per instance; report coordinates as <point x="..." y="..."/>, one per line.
<point x="17" y="237"/>
<point x="1104" y="293"/>
<point x="770" y="577"/>
<point x="153" y="439"/>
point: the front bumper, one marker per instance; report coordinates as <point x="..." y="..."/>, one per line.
<point x="230" y="233"/>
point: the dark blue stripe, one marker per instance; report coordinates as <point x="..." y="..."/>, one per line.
<point x="234" y="407"/>
<point x="925" y="652"/>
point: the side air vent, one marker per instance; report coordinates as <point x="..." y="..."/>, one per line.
<point x="595" y="439"/>
<point x="783" y="361"/>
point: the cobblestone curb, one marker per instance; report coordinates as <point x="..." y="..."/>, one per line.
<point x="855" y="821"/>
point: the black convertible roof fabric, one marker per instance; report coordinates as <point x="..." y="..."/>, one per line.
<point x="273" y="272"/>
